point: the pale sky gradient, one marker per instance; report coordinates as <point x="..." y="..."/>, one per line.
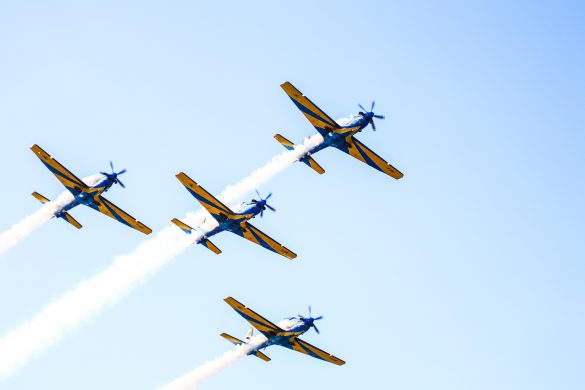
<point x="466" y="274"/>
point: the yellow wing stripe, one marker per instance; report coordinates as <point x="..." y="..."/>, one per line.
<point x="256" y="236"/>
<point x="68" y="179"/>
<point x="362" y="153"/>
<point x="106" y="207"/>
<point x="314" y="114"/>
<point x="257" y="321"/>
<point x="308" y="349"/>
<point x="211" y="204"/>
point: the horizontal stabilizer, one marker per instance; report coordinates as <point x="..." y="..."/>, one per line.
<point x="40" y="197"/>
<point x="210" y="245"/>
<point x="313" y="164"/>
<point x="237" y="341"/>
<point x="284" y="142"/>
<point x="232" y="339"/>
<point x="183" y="226"/>
<point x="261" y="356"/>
<point x="66" y="216"/>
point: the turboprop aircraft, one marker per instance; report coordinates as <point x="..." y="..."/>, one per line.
<point x="229" y="220"/>
<point x="339" y="134"/>
<point x="86" y="194"/>
<point x="275" y="335"/>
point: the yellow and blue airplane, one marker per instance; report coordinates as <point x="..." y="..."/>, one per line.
<point x="275" y="335"/>
<point x="88" y="195"/>
<point x="340" y="134"/>
<point x="229" y="220"/>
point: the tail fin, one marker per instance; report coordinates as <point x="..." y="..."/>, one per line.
<point x="64" y="215"/>
<point x="183" y="226"/>
<point x="311" y="163"/>
<point x="237" y="341"/>
<point x="203" y="241"/>
<point x="250" y="334"/>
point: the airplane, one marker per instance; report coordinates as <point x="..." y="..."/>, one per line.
<point x="229" y="220"/>
<point x="288" y="338"/>
<point x="88" y="195"/>
<point x="338" y="134"/>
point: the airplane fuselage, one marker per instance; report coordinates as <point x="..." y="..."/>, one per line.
<point x="87" y="198"/>
<point x="349" y="126"/>
<point x="234" y="224"/>
<point x="283" y="339"/>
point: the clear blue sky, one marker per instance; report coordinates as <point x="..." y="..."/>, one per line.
<point x="466" y="274"/>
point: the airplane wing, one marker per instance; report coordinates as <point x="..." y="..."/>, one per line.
<point x="250" y="232"/>
<point x="361" y="152"/>
<point x="321" y="121"/>
<point x="106" y="207"/>
<point x="264" y="326"/>
<point x="308" y="349"/>
<point x="68" y="179"/>
<point x="217" y="209"/>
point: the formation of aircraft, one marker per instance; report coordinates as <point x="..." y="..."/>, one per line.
<point x="338" y="134"/>
<point x="275" y="335"/>
<point x="231" y="221"/>
<point x="87" y="195"/>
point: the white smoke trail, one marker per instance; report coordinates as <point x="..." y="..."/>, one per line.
<point x="92" y="295"/>
<point x="27" y="225"/>
<point x="192" y="379"/>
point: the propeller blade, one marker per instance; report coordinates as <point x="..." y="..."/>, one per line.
<point x="270" y="207"/>
<point x="316" y="329"/>
<point x="362" y="107"/>
<point x="112" y="166"/>
<point x="120" y="183"/>
<point x="262" y="213"/>
<point x="309" y="310"/>
<point x="379" y="116"/>
<point x="319" y="318"/>
<point x="373" y="125"/>
<point x="260" y="196"/>
<point x="122" y="172"/>
<point x="268" y="197"/>
<point x="373" y="104"/>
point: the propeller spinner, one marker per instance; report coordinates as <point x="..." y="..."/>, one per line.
<point x="370" y="115"/>
<point x="262" y="203"/>
<point x="308" y="320"/>
<point x="114" y="175"/>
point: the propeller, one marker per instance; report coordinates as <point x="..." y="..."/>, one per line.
<point x="309" y="320"/>
<point x="114" y="175"/>
<point x="262" y="203"/>
<point x="370" y="115"/>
